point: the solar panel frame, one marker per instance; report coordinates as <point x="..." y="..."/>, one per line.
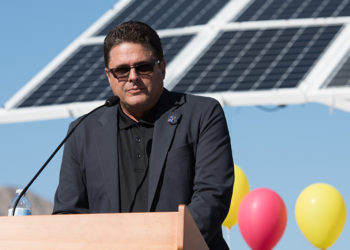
<point x="279" y="79"/>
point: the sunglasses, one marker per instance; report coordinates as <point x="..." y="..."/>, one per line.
<point x="143" y="69"/>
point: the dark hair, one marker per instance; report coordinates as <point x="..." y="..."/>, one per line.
<point x="136" y="32"/>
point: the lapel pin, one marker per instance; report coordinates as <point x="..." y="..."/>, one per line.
<point x="172" y="119"/>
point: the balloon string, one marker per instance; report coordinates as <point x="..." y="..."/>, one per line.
<point x="228" y="237"/>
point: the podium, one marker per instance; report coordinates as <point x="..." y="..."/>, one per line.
<point x="155" y="230"/>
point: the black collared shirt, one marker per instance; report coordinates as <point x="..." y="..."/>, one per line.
<point x="134" y="150"/>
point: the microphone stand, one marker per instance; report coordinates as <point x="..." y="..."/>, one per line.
<point x="109" y="103"/>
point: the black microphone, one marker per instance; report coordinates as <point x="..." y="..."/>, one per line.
<point x="111" y="101"/>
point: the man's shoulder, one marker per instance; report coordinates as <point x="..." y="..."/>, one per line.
<point x="191" y="99"/>
<point x="101" y="116"/>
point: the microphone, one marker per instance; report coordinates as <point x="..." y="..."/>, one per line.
<point x="111" y="101"/>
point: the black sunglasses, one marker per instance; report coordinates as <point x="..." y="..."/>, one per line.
<point x="142" y="69"/>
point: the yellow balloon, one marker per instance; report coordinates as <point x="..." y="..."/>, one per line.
<point x="240" y="189"/>
<point x="320" y="212"/>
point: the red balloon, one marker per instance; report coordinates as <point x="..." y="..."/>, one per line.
<point x="262" y="218"/>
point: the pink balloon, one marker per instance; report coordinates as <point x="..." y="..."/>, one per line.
<point x="262" y="218"/>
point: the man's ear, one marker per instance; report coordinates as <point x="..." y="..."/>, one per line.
<point x="163" y="67"/>
<point x="108" y="76"/>
<point x="107" y="73"/>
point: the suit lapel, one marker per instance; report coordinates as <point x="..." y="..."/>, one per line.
<point x="106" y="141"/>
<point x="164" y="131"/>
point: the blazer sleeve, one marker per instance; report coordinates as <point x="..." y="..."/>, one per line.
<point x="70" y="196"/>
<point x="214" y="171"/>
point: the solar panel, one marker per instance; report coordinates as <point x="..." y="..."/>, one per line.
<point x="167" y="14"/>
<point x="82" y="77"/>
<point x="213" y="48"/>
<point x="257" y="59"/>
<point x="293" y="9"/>
<point x="342" y="77"/>
<point x="172" y="45"/>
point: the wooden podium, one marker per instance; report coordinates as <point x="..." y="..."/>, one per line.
<point x="158" y="230"/>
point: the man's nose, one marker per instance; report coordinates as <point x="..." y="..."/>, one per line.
<point x="133" y="75"/>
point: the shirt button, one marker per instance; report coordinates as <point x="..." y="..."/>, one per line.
<point x="138" y="156"/>
<point x="138" y="139"/>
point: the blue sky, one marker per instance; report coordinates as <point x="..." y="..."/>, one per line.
<point x="284" y="150"/>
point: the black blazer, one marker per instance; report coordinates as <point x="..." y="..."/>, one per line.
<point x="190" y="163"/>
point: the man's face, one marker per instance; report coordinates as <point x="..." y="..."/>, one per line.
<point x="138" y="92"/>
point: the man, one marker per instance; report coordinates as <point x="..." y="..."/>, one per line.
<point x="154" y="150"/>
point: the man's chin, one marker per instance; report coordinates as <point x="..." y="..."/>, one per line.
<point x="137" y="102"/>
